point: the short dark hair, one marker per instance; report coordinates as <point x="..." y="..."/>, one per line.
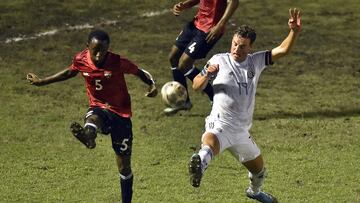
<point x="246" y="31"/>
<point x="99" y="35"/>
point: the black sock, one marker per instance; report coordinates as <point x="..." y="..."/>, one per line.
<point x="208" y="89"/>
<point x="126" y="189"/>
<point x="90" y="130"/>
<point x="179" y="77"/>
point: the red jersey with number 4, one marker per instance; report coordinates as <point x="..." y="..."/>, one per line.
<point x="209" y="14"/>
<point x="106" y="86"/>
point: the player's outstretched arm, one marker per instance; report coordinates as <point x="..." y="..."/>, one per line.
<point x="295" y="28"/>
<point x="215" y="31"/>
<point x="201" y="80"/>
<point x="147" y="78"/>
<point x="60" y="76"/>
<point x="181" y="6"/>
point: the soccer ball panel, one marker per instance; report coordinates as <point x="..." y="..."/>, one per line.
<point x="174" y="94"/>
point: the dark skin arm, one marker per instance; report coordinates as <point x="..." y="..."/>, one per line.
<point x="215" y="32"/>
<point x="181" y="6"/>
<point x="148" y="79"/>
<point x="57" y="77"/>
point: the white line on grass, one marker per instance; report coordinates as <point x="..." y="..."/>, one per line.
<point x="79" y="27"/>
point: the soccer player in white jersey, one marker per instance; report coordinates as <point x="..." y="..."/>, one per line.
<point x="234" y="77"/>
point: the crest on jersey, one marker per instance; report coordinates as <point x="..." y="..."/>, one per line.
<point x="251" y="69"/>
<point x="107" y="74"/>
<point x="86" y="74"/>
<point x="251" y="72"/>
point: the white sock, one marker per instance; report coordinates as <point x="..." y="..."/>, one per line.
<point x="90" y="124"/>
<point x="257" y="180"/>
<point x="206" y="155"/>
<point x="125" y="177"/>
<point x="189" y="72"/>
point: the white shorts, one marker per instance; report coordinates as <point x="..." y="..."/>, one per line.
<point x="237" y="141"/>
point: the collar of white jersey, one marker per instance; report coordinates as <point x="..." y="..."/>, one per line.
<point x="236" y="63"/>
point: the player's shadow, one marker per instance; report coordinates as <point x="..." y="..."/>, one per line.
<point x="186" y="114"/>
<point x="315" y="114"/>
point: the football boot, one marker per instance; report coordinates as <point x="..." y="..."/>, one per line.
<point x="85" y="136"/>
<point x="195" y="170"/>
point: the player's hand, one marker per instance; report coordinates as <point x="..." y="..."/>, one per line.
<point x="214" y="33"/>
<point x="294" y="20"/>
<point x="152" y="92"/>
<point x="178" y="8"/>
<point x="33" y="79"/>
<point x="212" y="70"/>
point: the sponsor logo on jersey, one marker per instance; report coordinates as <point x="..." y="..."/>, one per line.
<point x="251" y="73"/>
<point x="107" y="74"/>
<point x="251" y="70"/>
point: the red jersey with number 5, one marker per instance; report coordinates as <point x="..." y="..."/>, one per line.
<point x="209" y="14"/>
<point x="106" y="86"/>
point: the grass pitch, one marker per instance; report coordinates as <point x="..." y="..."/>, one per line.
<point x="306" y="122"/>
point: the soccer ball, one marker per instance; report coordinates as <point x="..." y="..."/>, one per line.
<point x="174" y="94"/>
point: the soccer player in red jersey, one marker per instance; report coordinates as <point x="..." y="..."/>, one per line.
<point x="109" y="100"/>
<point x="196" y="39"/>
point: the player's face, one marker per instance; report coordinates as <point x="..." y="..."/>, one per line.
<point x="240" y="48"/>
<point x="98" y="50"/>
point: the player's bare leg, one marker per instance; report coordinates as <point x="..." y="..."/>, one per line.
<point x="257" y="174"/>
<point x="126" y="177"/>
<point x="185" y="63"/>
<point x="200" y="161"/>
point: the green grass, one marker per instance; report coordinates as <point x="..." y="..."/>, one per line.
<point x="306" y="122"/>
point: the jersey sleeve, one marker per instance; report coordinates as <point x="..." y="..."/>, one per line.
<point x="129" y="67"/>
<point x="213" y="60"/>
<point x="261" y="59"/>
<point x="75" y="64"/>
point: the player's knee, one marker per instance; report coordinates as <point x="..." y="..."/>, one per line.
<point x="182" y="65"/>
<point x="174" y="60"/>
<point x="186" y="63"/>
<point x="124" y="165"/>
<point x="174" y="56"/>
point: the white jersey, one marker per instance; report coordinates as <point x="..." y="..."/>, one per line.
<point x="235" y="87"/>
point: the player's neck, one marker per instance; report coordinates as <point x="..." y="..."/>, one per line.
<point x="100" y="64"/>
